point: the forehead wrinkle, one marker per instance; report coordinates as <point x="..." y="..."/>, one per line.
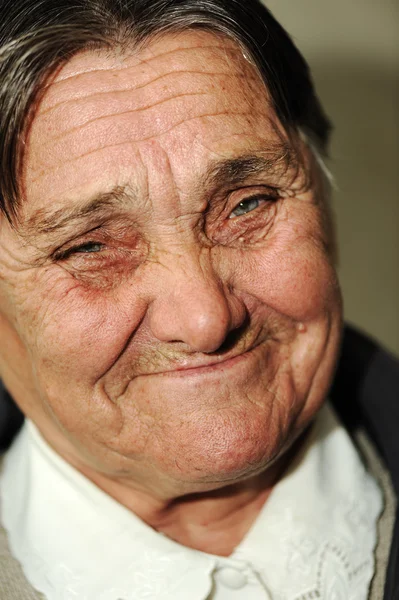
<point x="150" y="136"/>
<point x="128" y="88"/>
<point x="164" y="66"/>
<point x="126" y="112"/>
<point x="186" y="102"/>
<point x="231" y="58"/>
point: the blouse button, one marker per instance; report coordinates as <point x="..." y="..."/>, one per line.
<point x="231" y="578"/>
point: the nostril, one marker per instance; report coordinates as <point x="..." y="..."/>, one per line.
<point x="232" y="338"/>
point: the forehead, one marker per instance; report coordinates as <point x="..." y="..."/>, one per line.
<point x="193" y="94"/>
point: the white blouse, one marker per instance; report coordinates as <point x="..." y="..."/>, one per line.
<point x="313" y="539"/>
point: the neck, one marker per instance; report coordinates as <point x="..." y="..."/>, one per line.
<point x="214" y="522"/>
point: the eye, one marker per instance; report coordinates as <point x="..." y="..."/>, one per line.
<point x="246" y="206"/>
<point x="87" y="248"/>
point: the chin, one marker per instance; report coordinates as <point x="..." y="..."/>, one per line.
<point x="232" y="445"/>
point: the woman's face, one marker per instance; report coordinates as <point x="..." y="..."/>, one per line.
<point x="168" y="302"/>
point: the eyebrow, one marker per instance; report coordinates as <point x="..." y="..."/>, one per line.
<point x="234" y="171"/>
<point x="220" y="173"/>
<point x="101" y="206"/>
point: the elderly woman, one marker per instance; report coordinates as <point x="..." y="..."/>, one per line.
<point x="170" y="315"/>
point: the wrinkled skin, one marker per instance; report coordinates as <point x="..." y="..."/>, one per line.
<point x="169" y="339"/>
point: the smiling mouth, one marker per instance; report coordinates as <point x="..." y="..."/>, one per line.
<point x="218" y="363"/>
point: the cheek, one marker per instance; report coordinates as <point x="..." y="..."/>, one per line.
<point x="72" y="330"/>
<point x="293" y="277"/>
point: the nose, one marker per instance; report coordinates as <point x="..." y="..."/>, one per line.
<point x="193" y="306"/>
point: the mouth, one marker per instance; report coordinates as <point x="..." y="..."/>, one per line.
<point x="209" y="364"/>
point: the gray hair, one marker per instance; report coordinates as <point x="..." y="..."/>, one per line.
<point x="36" y="36"/>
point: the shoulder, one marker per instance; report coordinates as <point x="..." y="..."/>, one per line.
<point x="365" y="393"/>
<point x="11" y="419"/>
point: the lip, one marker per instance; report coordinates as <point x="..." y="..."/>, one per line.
<point x="211" y="367"/>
